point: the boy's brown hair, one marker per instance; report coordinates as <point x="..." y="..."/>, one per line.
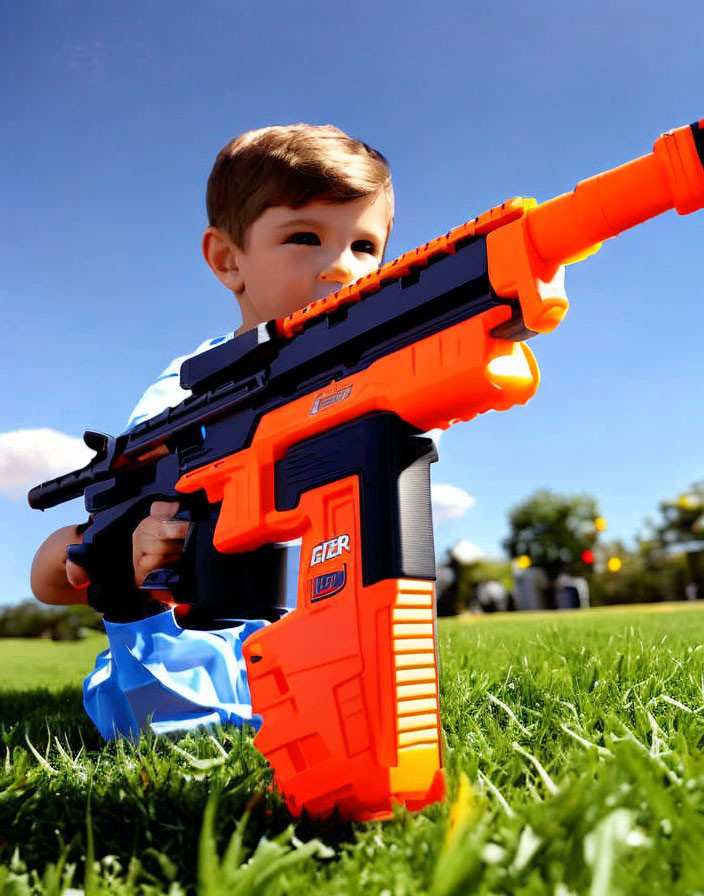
<point x="290" y="165"/>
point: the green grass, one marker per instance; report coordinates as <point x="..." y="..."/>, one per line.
<point x="573" y="745"/>
<point x="37" y="663"/>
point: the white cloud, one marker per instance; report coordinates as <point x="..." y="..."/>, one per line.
<point x="31" y="456"/>
<point x="465" y="552"/>
<point x="449" y="502"/>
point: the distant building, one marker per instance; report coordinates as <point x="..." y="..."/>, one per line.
<point x="492" y="596"/>
<point x="571" y="592"/>
<point x="530" y="588"/>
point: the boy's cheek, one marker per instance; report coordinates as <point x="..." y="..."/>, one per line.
<point x="293" y="293"/>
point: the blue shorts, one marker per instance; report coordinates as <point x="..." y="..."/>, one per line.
<point x="158" y="675"/>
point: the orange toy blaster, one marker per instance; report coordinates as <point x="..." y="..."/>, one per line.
<point x="311" y="427"/>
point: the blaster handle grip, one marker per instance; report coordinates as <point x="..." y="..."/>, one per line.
<point x="347" y="683"/>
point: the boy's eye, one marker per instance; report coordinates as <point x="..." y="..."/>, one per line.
<point x="365" y="246"/>
<point x="304" y="238"/>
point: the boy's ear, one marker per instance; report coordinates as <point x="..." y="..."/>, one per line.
<point x="222" y="257"/>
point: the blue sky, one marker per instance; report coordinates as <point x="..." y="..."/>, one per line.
<point x="112" y="115"/>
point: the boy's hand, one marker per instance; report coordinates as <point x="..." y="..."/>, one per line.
<point x="158" y="540"/>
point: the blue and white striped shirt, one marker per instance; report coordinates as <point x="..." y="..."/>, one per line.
<point x="165" y="391"/>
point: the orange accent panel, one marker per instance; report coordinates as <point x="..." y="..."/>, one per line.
<point x="516" y="271"/>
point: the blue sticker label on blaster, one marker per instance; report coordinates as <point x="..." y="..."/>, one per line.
<point x="328" y="584"/>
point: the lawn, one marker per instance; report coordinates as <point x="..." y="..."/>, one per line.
<point x="573" y="746"/>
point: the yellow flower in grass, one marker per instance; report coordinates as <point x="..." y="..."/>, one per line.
<point x="461" y="810"/>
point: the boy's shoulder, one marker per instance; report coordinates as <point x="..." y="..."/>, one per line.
<point x="165" y="391"/>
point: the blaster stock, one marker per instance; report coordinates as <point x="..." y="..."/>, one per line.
<point x="310" y="427"/>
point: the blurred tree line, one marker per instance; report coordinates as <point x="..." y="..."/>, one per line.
<point x="564" y="535"/>
<point x="31" y="619"/>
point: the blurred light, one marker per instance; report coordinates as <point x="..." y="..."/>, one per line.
<point x="587" y="557"/>
<point x="523" y="562"/>
<point x="688" y="502"/>
<point x="613" y="564"/>
<point x="600" y="524"/>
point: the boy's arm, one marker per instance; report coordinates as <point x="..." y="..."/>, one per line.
<point x="54" y="579"/>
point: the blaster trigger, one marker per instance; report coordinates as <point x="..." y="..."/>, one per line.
<point x="185" y="515"/>
<point x="80" y="554"/>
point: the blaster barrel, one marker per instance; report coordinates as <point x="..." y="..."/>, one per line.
<point x="601" y="207"/>
<point x="61" y="489"/>
<point x="525" y="255"/>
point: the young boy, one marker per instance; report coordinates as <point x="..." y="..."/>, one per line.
<point x="295" y="213"/>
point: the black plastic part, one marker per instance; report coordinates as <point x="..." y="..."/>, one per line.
<point x="698" y="134"/>
<point x="238" y="586"/>
<point x="234" y="359"/>
<point x="393" y="464"/>
<point x="164" y="579"/>
<point x="117" y="504"/>
<point x="108" y="562"/>
<point x="246" y="586"/>
<point x="96" y="441"/>
<point x="72" y="485"/>
<point x="446" y="291"/>
<point x="514" y="329"/>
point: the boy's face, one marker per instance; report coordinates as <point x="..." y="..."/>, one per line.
<point x="294" y="256"/>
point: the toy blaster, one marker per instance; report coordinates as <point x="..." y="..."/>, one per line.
<point x="310" y="427"/>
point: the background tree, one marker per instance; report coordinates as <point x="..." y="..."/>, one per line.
<point x="646" y="574"/>
<point x="30" y="619"/>
<point x="681" y="530"/>
<point x="555" y="531"/>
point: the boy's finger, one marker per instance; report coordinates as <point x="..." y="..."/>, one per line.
<point x="172" y="530"/>
<point x="162" y="529"/>
<point x="158" y="541"/>
<point x="149" y="562"/>
<point x="76" y="575"/>
<point x="163" y="510"/>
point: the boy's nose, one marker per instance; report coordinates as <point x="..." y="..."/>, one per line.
<point x="339" y="270"/>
